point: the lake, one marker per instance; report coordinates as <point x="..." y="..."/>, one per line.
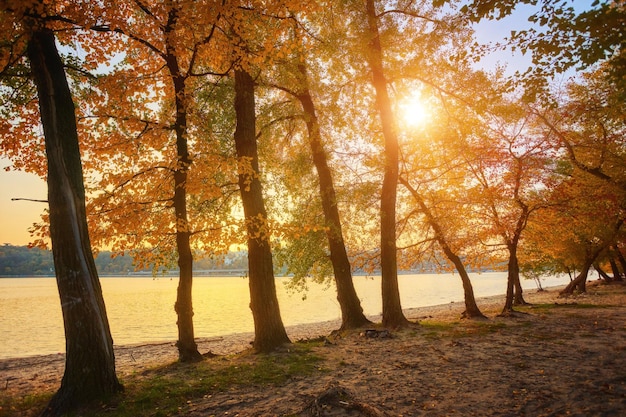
<point x="142" y="309"/>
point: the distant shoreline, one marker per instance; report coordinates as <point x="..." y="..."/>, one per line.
<point x="237" y="273"/>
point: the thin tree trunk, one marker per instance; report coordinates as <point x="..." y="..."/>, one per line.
<point x="392" y="308"/>
<point x="90" y="361"/>
<point x="351" y="311"/>
<point x="471" y="308"/>
<point x="601" y="272"/>
<point x="614" y="268"/>
<point x="622" y="261"/>
<point x="186" y="344"/>
<point x="510" y="293"/>
<point x="513" y="287"/>
<point x="518" y="299"/>
<point x="580" y="282"/>
<point x="269" y="330"/>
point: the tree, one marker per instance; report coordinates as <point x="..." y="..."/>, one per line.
<point x="187" y="347"/>
<point x="512" y="179"/>
<point x="90" y="361"/>
<point x="268" y="326"/>
<point x="597" y="215"/>
<point x="587" y="128"/>
<point x="582" y="222"/>
<point x="592" y="250"/>
<point x="350" y="305"/>
<point x="191" y="55"/>
<point x="620" y="257"/>
<point x="166" y="59"/>
<point x="471" y="308"/>
<point x="444" y="160"/>
<point x="392" y="309"/>
<point x="563" y="37"/>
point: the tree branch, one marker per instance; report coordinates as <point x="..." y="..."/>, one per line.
<point x="29" y="199"/>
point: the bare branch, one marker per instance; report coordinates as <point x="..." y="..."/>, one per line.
<point x="30" y="199"/>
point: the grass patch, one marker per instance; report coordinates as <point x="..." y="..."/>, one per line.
<point x="437" y="330"/>
<point x="29" y="405"/>
<point x="479" y="328"/>
<point x="545" y="308"/>
<point x="179" y="384"/>
<point x="169" y="389"/>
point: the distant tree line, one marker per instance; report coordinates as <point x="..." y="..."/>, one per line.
<point x="26" y="261"/>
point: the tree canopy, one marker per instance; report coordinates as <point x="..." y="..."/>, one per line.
<point x="206" y="127"/>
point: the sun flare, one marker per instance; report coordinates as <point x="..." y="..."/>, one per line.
<point x="414" y="111"/>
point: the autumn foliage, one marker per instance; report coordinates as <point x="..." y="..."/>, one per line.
<point x="207" y="126"/>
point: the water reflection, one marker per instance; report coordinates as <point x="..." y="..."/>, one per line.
<point x="142" y="309"/>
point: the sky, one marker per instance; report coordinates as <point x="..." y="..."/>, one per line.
<point x="16" y="217"/>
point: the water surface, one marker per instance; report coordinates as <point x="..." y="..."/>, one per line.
<point x="142" y="309"/>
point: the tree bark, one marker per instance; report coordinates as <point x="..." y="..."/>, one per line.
<point x="269" y="330"/>
<point x="351" y="311"/>
<point x="90" y="361"/>
<point x="510" y="287"/>
<point x="518" y="298"/>
<point x="614" y="268"/>
<point x="513" y="287"/>
<point x="580" y="282"/>
<point x="186" y="344"/>
<point x="392" y="308"/>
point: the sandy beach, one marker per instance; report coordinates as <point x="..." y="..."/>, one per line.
<point x="550" y="362"/>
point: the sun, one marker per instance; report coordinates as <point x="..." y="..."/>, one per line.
<point x="414" y="111"/>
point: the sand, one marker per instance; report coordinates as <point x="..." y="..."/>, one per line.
<point x="561" y="361"/>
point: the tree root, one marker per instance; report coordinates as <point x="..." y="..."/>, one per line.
<point x="513" y="314"/>
<point x="338" y="401"/>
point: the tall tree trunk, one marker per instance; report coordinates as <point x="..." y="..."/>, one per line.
<point x="513" y="285"/>
<point x="351" y="311"/>
<point x="392" y="308"/>
<point x="269" y="330"/>
<point x="471" y="308"/>
<point x="186" y="344"/>
<point x="90" y="361"/>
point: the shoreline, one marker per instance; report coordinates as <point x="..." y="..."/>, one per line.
<point x="314" y="329"/>
<point x="43" y="373"/>
<point x="562" y="356"/>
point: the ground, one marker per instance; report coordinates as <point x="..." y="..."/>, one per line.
<point x="559" y="357"/>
